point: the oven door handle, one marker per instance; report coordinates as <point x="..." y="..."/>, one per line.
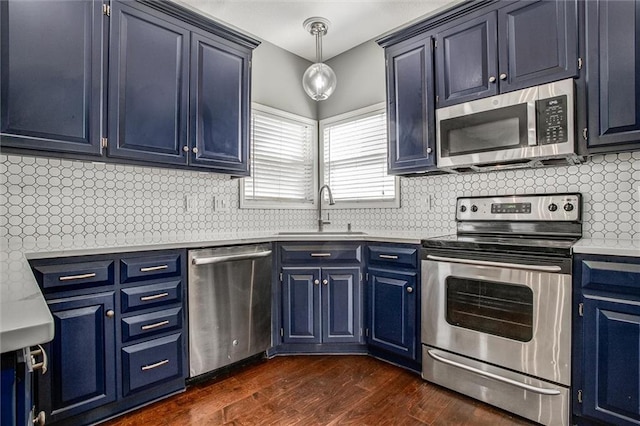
<point x="493" y="376"/>
<point x="541" y="268"/>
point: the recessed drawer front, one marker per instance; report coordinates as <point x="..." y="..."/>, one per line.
<point x="320" y="253"/>
<point x="151" y="362"/>
<point x="611" y="276"/>
<point x="152" y="323"/>
<point x="149" y="267"/>
<point x="393" y="256"/>
<point x="147" y="296"/>
<point x="74" y="275"/>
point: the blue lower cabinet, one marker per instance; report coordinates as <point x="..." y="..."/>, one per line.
<point x="152" y="362"/>
<point x="301" y="305"/>
<point x="82" y="364"/>
<point x="341" y="305"/>
<point x="8" y="390"/>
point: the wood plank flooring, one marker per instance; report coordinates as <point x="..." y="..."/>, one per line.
<point x="319" y="390"/>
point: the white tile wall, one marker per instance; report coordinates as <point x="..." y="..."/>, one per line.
<point x="45" y="201"/>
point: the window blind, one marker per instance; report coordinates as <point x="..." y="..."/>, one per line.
<point x="282" y="163"/>
<point x="355" y="159"/>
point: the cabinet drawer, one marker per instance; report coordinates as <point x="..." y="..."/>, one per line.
<point x="611" y="276"/>
<point x="320" y="253"/>
<point x="152" y="323"/>
<point x="147" y="296"/>
<point x="74" y="275"/>
<point x="151" y="362"/>
<point x="403" y="257"/>
<point x="149" y="267"/>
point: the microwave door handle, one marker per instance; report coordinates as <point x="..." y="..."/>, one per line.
<point x="540" y="268"/>
<point x="532" y="120"/>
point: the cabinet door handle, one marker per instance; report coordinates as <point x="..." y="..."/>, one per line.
<point x="492" y="79"/>
<point x="77" y="277"/>
<point x="388" y="256"/>
<point x="153" y="297"/>
<point x="429" y="150"/>
<point x="195" y="150"/>
<point x="320" y="254"/>
<point x="325" y="282"/>
<point x="156" y="325"/>
<point x="154" y="268"/>
<point x="156" y="365"/>
<point x="409" y="289"/>
<point x="44" y="364"/>
<point x="110" y="313"/>
<point x="316" y="282"/>
<point x="185" y="148"/>
<point x="503" y="76"/>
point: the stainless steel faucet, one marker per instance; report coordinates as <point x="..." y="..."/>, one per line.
<point x="322" y="222"/>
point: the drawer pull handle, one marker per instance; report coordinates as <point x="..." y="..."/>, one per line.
<point x="156" y="325"/>
<point x="154" y="268"/>
<point x="44" y="364"/>
<point x="320" y="254"/>
<point x="153" y="297"/>
<point x="156" y="365"/>
<point x="388" y="256"/>
<point x="77" y="277"/>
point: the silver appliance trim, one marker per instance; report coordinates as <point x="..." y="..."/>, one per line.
<point x="540" y="401"/>
<point x="547" y="355"/>
<point x="501" y="158"/>
<point x="540" y="268"/>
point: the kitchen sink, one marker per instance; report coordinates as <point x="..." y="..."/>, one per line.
<point x="322" y="233"/>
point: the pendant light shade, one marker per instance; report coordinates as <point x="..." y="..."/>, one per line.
<point x="319" y="80"/>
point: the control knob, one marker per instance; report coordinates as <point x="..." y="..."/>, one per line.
<point x="568" y="207"/>
<point x="553" y="207"/>
<point x="463" y="209"/>
<point x="474" y="208"/>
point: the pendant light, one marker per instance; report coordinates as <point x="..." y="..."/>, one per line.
<point x="319" y="80"/>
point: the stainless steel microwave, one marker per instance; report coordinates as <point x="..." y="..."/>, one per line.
<point x="513" y="129"/>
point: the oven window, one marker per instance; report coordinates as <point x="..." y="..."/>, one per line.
<point x="503" y="310"/>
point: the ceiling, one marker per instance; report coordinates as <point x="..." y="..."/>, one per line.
<point x="353" y="22"/>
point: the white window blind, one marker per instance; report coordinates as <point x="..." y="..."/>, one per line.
<point x="282" y="160"/>
<point x="355" y="158"/>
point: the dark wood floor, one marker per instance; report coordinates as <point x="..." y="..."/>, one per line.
<point x="319" y="390"/>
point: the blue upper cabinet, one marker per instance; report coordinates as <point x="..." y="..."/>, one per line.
<point x="220" y="94"/>
<point x="148" y="86"/>
<point x="410" y="97"/>
<point x="51" y="75"/>
<point x="518" y="45"/>
<point x="613" y="72"/>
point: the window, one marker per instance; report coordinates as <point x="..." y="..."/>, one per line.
<point x="354" y="154"/>
<point x="283" y="170"/>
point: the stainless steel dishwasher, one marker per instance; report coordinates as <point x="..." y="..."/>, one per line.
<point x="229" y="305"/>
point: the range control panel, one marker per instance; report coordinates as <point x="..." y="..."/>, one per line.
<point x="534" y="207"/>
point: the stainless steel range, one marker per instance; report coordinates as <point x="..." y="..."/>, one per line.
<point x="496" y="303"/>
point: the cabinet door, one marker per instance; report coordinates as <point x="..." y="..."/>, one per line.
<point x="411" y="114"/>
<point x="467" y="61"/>
<point x="613" y="73"/>
<point x="148" y="86"/>
<point x="219" y="122"/>
<point x="301" y="305"/>
<point x="341" y="317"/>
<point x="81" y="373"/>
<point x="393" y="305"/>
<point x="537" y="43"/>
<point x="611" y="391"/>
<point x="51" y="75"/>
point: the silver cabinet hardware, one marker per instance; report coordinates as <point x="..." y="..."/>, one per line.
<point x="77" y="277"/>
<point x="492" y="79"/>
<point x="154" y="268"/>
<point x="388" y="256"/>
<point x="316" y="282"/>
<point x="542" y="268"/>
<point x="229" y="258"/>
<point x="320" y="254"/>
<point x="409" y="289"/>
<point x="156" y="365"/>
<point x="110" y="313"/>
<point x="585" y="134"/>
<point x="503" y="76"/>
<point x="185" y="148"/>
<point x="153" y="297"/>
<point x="156" y="325"/>
<point x="195" y="150"/>
<point x="325" y="282"/>
<point x="40" y="419"/>
<point x="429" y="150"/>
<point x="44" y="364"/>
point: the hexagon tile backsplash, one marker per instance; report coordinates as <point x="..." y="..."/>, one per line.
<point x="44" y="200"/>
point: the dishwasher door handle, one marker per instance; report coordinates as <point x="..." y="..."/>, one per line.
<point x="229" y="258"/>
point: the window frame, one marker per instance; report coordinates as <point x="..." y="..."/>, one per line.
<point x="344" y="118"/>
<point x="289" y="205"/>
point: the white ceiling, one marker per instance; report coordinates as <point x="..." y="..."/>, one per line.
<point x="353" y="22"/>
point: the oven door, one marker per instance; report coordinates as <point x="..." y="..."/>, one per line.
<point x="515" y="314"/>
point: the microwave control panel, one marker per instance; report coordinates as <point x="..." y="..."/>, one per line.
<point x="552" y="120"/>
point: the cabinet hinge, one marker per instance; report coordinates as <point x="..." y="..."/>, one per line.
<point x="280" y="276"/>
<point x="104" y="142"/>
<point x="585" y="134"/>
<point x="437" y="98"/>
<point x="366" y="332"/>
<point x="106" y="10"/>
<point x="367" y="276"/>
<point x="580" y="396"/>
<point x="581" y="309"/>
<point x="361" y="276"/>
<point x="360" y="332"/>
<point x="282" y="332"/>
<point x="435" y="43"/>
<point x="579" y="63"/>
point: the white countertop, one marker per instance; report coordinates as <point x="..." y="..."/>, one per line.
<point x="611" y="247"/>
<point x="25" y="319"/>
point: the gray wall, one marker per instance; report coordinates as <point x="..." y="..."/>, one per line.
<point x="277" y="81"/>
<point x="361" y="80"/>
